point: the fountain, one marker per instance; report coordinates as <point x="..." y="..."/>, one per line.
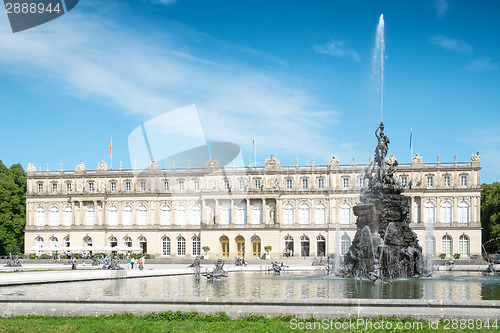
<point x="384" y="245"/>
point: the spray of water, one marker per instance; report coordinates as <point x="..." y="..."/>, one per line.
<point x="378" y="61"/>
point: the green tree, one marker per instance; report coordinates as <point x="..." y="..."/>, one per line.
<point x="12" y="208"/>
<point x="490" y="215"/>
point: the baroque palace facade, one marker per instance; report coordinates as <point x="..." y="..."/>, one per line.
<point x="306" y="210"/>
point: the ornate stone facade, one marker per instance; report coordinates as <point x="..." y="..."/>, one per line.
<point x="238" y="211"/>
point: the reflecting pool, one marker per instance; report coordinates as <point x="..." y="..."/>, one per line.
<point x="444" y="285"/>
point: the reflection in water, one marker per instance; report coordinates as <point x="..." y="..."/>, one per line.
<point x="445" y="285"/>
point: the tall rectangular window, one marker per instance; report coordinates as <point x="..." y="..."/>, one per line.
<point x="196" y="185"/>
<point x="304" y="183"/>
<point x="361" y="182"/>
<point x="257" y="184"/>
<point x="166" y="187"/>
<point x="430" y="181"/>
<point x="447" y="181"/>
<point x="128" y="186"/>
<point x="68" y="187"/>
<point x="40" y="188"/>
<point x="345" y="182"/>
<point x="463" y="180"/>
<point x="91" y="187"/>
<point x="321" y="183"/>
<point x="54" y="188"/>
<point x="226" y="184"/>
<point x="113" y="186"/>
<point x="181" y="185"/>
<point x="242" y="185"/>
<point x="404" y="181"/>
<point x="143" y="186"/>
<point x="289" y="183"/>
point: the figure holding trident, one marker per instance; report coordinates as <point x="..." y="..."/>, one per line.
<point x="381" y="150"/>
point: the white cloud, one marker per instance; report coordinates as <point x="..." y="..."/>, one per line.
<point x="482" y="65"/>
<point x="92" y="59"/>
<point x="337" y="48"/>
<point x="451" y="44"/>
<point x="163" y="2"/>
<point x="441" y="7"/>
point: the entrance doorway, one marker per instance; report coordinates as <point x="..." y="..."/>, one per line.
<point x="224" y="245"/>
<point x="321" y="246"/>
<point x="256" y="246"/>
<point x="240" y="246"/>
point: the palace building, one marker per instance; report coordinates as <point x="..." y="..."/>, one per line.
<point x="307" y="210"/>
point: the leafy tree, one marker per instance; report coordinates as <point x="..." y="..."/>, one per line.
<point x="490" y="215"/>
<point x="12" y="208"/>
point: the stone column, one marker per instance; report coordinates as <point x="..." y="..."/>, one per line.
<point x="248" y="212"/>
<point x="265" y="217"/>
<point x="277" y="212"/>
<point x="96" y="215"/>
<point x="203" y="217"/>
<point x="231" y="203"/>
<point x="216" y="214"/>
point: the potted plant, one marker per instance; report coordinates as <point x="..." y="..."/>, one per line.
<point x="206" y="249"/>
<point x="442" y="255"/>
<point x="456" y="256"/>
<point x="268" y="249"/>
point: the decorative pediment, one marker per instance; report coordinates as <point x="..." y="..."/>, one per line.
<point x="417" y="159"/>
<point x="80" y="167"/>
<point x="102" y="166"/>
<point x="212" y="164"/>
<point x="272" y="163"/>
<point x="334" y="161"/>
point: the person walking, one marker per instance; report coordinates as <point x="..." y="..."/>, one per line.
<point x="132" y="261"/>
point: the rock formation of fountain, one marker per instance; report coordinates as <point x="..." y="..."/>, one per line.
<point x="384" y="245"/>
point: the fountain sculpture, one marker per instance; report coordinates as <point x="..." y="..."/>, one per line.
<point x="384" y="245"/>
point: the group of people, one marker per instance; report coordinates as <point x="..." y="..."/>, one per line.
<point x="288" y="253"/>
<point x="132" y="261"/>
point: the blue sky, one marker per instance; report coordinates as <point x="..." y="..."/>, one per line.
<point x="297" y="75"/>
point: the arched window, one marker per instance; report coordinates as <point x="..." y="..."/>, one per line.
<point x="255" y="245"/>
<point x="321" y="246"/>
<point x="180" y="215"/>
<point x="68" y="216"/>
<point x="345" y="244"/>
<point x="446" y="213"/>
<point x="113" y="216"/>
<point x="288" y="214"/>
<point x="181" y="246"/>
<point x="113" y="242"/>
<point x="143" y="244"/>
<point x="224" y="245"/>
<point x="165" y="241"/>
<point x="166" y="216"/>
<point x="196" y="246"/>
<point x="257" y="213"/>
<point x="143" y="215"/>
<point x="54" y="216"/>
<point x="320" y="214"/>
<point x="304" y="213"/>
<point x="39" y="242"/>
<point x="196" y="215"/>
<point x="447" y="245"/>
<point x="430" y="212"/>
<point x="90" y="215"/>
<point x="241" y="213"/>
<point x="127" y="241"/>
<point x="430" y="245"/>
<point x="463" y="246"/>
<point x="289" y="245"/>
<point x="240" y="246"/>
<point x="304" y="246"/>
<point x="226" y="213"/>
<point x="463" y="213"/>
<point x="54" y="242"/>
<point x="40" y="216"/>
<point x="127" y="216"/>
<point x="345" y="213"/>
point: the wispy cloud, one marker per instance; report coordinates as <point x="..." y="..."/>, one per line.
<point x="119" y="68"/>
<point x="162" y="2"/>
<point x="441" y="7"/>
<point x="336" y="48"/>
<point x="482" y="65"/>
<point x="451" y="43"/>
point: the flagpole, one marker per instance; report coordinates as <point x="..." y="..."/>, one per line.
<point x="111" y="153"/>
<point x="254" y="153"/>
